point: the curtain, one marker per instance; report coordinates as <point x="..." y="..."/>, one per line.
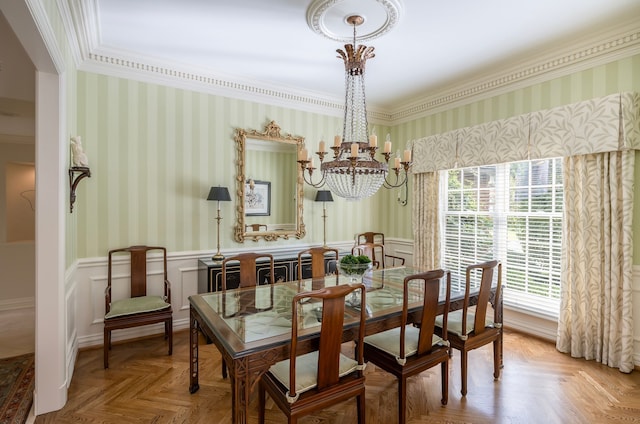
<point x="598" y="139"/>
<point x="426" y="220"/>
<point x="595" y="319"/>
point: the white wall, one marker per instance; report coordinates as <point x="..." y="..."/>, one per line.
<point x="17" y="259"/>
<point x="17" y="144"/>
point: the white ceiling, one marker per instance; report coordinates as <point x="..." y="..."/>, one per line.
<point x="269" y="43"/>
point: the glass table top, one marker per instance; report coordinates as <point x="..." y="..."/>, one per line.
<point x="257" y="313"/>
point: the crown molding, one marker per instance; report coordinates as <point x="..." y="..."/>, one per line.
<point x="80" y="20"/>
<point x="561" y="62"/>
<point x="600" y="48"/>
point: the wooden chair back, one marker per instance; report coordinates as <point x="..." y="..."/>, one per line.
<point x="333" y="311"/>
<point x="487" y="270"/>
<point x="370" y="237"/>
<point x="248" y="270"/>
<point x="374" y="251"/>
<point x="138" y="271"/>
<point x="255" y="227"/>
<point x="318" y="257"/>
<point x="431" y="282"/>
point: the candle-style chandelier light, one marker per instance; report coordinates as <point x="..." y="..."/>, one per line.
<point x="355" y="173"/>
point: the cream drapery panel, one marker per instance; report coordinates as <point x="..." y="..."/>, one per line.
<point x="426" y="220"/>
<point x="593" y="305"/>
<point x="595" y="319"/>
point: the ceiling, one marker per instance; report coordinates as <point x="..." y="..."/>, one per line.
<point x="433" y="44"/>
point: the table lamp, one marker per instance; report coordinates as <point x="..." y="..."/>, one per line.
<point x="324" y="196"/>
<point x="221" y="194"/>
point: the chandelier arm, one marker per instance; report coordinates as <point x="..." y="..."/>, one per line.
<point x="401" y="201"/>
<point x="309" y="180"/>
<point x="398" y="183"/>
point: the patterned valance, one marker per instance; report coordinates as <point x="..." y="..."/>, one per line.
<point x="605" y="124"/>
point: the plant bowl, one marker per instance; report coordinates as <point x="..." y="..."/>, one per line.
<point x="353" y="271"/>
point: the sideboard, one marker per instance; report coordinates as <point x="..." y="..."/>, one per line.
<point x="285" y="268"/>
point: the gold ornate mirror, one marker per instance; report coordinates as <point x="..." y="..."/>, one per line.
<point x="269" y="186"/>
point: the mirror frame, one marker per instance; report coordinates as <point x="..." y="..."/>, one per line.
<point x="271" y="133"/>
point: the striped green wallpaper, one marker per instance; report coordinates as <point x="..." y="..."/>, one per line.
<point x="156" y="150"/>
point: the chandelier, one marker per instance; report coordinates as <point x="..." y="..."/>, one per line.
<point x="354" y="172"/>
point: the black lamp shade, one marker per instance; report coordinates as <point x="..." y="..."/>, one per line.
<point x="324" y="196"/>
<point x="220" y="194"/>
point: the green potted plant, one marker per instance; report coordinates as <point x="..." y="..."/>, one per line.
<point x="354" y="266"/>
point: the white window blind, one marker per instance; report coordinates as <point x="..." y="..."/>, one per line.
<point x="511" y="212"/>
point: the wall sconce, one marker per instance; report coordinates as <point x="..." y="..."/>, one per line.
<point x="324" y="196"/>
<point x="221" y="194"/>
<point x="83" y="171"/>
<point x="80" y="166"/>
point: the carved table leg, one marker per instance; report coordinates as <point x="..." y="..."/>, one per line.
<point x="240" y="390"/>
<point x="193" y="353"/>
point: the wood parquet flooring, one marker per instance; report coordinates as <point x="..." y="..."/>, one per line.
<point x="538" y="385"/>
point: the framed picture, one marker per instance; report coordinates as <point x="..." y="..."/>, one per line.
<point x="257" y="199"/>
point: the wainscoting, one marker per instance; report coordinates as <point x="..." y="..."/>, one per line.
<point x="87" y="280"/>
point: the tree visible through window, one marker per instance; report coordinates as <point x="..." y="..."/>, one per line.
<point x="511" y="212"/>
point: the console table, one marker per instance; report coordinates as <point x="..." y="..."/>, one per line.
<point x="285" y="268"/>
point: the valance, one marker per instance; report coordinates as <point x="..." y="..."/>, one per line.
<point x="605" y="124"/>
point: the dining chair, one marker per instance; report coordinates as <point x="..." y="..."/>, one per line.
<point x="318" y="261"/>
<point x="409" y="350"/>
<point x="255" y="227"/>
<point x="470" y="329"/>
<point x="307" y="382"/>
<point x="247" y="276"/>
<point x="138" y="307"/>
<point x="370" y="237"/>
<point x="377" y="254"/>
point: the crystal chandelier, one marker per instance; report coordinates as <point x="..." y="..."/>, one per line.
<point x="355" y="173"/>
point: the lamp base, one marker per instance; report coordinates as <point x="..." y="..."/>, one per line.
<point x="218" y="257"/>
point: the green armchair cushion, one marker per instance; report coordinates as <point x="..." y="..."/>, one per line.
<point x="389" y="341"/>
<point x="136" y="305"/>
<point x="454" y="322"/>
<point x="307" y="371"/>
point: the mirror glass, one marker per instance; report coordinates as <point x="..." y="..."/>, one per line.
<point x="269" y="190"/>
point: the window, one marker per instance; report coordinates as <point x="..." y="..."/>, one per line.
<point x="511" y="212"/>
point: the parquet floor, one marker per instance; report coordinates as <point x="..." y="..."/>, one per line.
<point x="538" y="385"/>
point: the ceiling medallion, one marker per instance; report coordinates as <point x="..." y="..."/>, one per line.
<point x="328" y="18"/>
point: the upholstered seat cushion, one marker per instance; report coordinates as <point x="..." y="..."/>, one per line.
<point x="454" y="322"/>
<point x="389" y="341"/>
<point x="307" y="371"/>
<point x="136" y="305"/>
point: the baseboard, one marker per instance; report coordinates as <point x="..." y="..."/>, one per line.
<point x="530" y="324"/>
<point x="19" y="303"/>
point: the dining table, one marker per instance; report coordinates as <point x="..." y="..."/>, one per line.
<point x="251" y="327"/>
